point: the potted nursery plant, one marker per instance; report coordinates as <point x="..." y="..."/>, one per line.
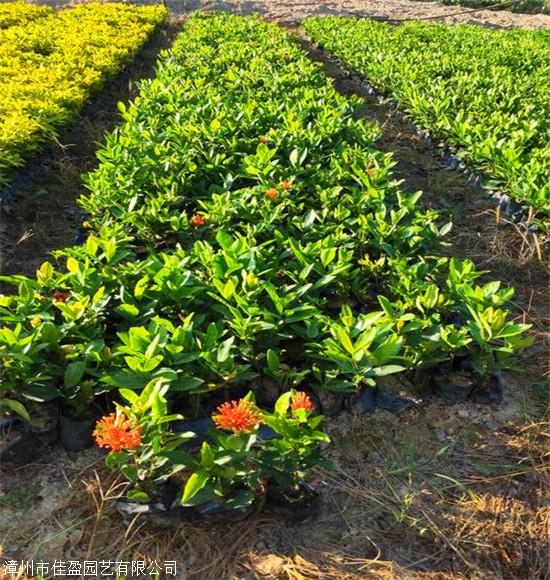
<point x="225" y="482"/>
<point x="235" y="473"/>
<point x="285" y="460"/>
<point x="137" y="435"/>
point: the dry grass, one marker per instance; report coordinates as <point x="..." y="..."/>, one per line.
<point x="402" y="500"/>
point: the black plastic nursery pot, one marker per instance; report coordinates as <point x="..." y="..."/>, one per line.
<point x="295" y="507"/>
<point x="491" y="389"/>
<point x="165" y="510"/>
<point x="162" y="516"/>
<point x="21" y="442"/>
<point x="457" y="387"/>
<point x="452" y="390"/>
<point x="372" y="398"/>
<point x="75" y="434"/>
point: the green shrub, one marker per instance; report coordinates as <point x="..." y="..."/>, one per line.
<point x="246" y="229"/>
<point x="483" y="91"/>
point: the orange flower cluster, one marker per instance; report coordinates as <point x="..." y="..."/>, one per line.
<point x="286" y="185"/>
<point x="117" y="433"/>
<point x="272" y="194"/>
<point x="198" y="220"/>
<point x="301" y="401"/>
<point x="237" y="416"/>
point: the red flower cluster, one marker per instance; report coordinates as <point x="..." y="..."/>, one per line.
<point x="198" y="220"/>
<point x="60" y="296"/>
<point x="272" y="194"/>
<point x="301" y="401"/>
<point x="117" y="433"/>
<point x="237" y="416"/>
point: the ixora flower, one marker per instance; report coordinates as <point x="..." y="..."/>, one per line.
<point x="286" y="184"/>
<point x="237" y="416"/>
<point x="198" y="220"/>
<point x="264" y="140"/>
<point x="117" y="433"/>
<point x="60" y="296"/>
<point x="301" y="400"/>
<point x="272" y="194"/>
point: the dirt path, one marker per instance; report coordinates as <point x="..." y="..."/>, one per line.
<point x="295" y="10"/>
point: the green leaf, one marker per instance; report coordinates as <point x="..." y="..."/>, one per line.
<point x="187" y="384"/>
<point x="344" y="339"/>
<point x="386" y="306"/>
<point x="310" y="218"/>
<point x="194" y="484"/>
<point x="74" y="373"/>
<point x="138" y="495"/>
<point x="129" y="395"/>
<point x="386" y="351"/>
<point x="140" y="287"/>
<point x="72" y="265"/>
<point x="228" y="289"/>
<point x="282" y="404"/>
<point x="207" y="455"/>
<point x="388" y="370"/>
<point x="45" y="273"/>
<point x="41" y="393"/>
<point x="273" y="362"/>
<point x="224" y="349"/>
<point x="128" y="310"/>
<point x="26" y="292"/>
<point x="16" y="407"/>
<point x="241" y="499"/>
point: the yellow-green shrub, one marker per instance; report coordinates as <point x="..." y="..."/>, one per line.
<point x="50" y="65"/>
<point x="12" y="13"/>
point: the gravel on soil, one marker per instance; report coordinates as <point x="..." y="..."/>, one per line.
<point x="393" y="10"/>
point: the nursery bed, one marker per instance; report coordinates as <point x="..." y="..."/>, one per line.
<point x="479" y="231"/>
<point x="479" y="91"/>
<point x="361" y="294"/>
<point x="389" y="510"/>
<point x="41" y="214"/>
<point x="51" y="65"/>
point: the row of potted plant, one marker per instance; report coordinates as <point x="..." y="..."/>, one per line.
<point x="243" y="229"/>
<point x="479" y="90"/>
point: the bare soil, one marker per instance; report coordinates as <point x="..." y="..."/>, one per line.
<point x="293" y="11"/>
